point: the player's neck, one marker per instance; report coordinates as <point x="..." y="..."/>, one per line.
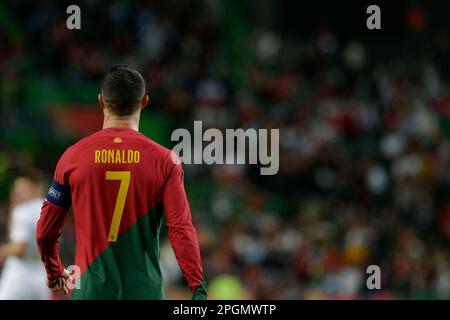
<point x="131" y="122"/>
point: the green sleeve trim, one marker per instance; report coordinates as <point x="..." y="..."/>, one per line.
<point x="200" y="292"/>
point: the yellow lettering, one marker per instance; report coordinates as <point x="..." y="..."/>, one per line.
<point x="124" y="177"/>
<point x="137" y="157"/>
<point x="104" y="156"/>
<point x="117" y="156"/>
<point x="97" y="156"/>
<point x="130" y="156"/>
<point x="110" y="156"/>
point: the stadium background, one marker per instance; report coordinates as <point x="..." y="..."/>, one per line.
<point x="364" y="119"/>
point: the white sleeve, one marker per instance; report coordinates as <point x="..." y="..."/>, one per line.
<point x="22" y="225"/>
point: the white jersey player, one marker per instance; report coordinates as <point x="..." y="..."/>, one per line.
<point x="23" y="276"/>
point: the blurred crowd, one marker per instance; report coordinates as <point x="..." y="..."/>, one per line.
<point x="364" y="139"/>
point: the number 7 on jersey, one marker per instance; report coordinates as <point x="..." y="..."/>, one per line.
<point x="124" y="177"/>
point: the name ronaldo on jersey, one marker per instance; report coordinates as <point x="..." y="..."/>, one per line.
<point x="117" y="156"/>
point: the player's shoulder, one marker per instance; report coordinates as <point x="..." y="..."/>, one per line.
<point x="80" y="143"/>
<point x="152" y="145"/>
<point x="72" y="149"/>
<point x="156" y="150"/>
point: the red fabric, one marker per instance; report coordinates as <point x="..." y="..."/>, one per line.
<point x="156" y="179"/>
<point x="47" y="234"/>
<point x="182" y="234"/>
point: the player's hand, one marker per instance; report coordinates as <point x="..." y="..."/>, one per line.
<point x="60" y="283"/>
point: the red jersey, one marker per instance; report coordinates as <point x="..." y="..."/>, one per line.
<point x="120" y="185"/>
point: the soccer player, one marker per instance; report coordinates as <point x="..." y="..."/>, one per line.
<point x="23" y="276"/>
<point x="119" y="184"/>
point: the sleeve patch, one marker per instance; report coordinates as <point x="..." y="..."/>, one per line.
<point x="59" y="195"/>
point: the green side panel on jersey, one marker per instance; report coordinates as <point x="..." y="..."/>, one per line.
<point x="129" y="268"/>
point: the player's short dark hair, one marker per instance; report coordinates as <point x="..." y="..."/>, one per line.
<point x="123" y="88"/>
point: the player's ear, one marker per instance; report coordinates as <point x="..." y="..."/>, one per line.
<point x="144" y="101"/>
<point x="101" y="101"/>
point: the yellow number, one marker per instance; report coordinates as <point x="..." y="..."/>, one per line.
<point x="124" y="177"/>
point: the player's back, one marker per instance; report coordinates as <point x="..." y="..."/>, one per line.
<point x="116" y="177"/>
